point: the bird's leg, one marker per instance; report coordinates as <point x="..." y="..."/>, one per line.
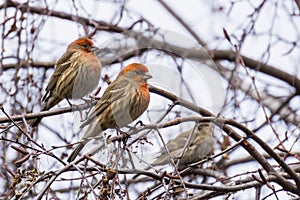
<point x="139" y="123"/>
<point x="94" y="95"/>
<point x="90" y="100"/>
<point x="87" y="101"/>
<point x="75" y="107"/>
<point x="134" y="128"/>
<point x="121" y="132"/>
<point x="70" y="104"/>
<point x="124" y="135"/>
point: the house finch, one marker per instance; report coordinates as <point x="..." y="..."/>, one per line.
<point x="201" y="145"/>
<point x="124" y="100"/>
<point x="77" y="73"/>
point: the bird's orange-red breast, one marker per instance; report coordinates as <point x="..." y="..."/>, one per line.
<point x="124" y="100"/>
<point x="76" y="74"/>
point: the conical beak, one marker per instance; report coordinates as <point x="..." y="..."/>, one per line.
<point x="94" y="48"/>
<point x="147" y="76"/>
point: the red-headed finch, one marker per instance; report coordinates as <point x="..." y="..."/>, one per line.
<point x="77" y="74"/>
<point x="124" y="100"/>
<point x="201" y="145"/>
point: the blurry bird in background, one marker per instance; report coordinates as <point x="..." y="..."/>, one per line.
<point x="77" y="74"/>
<point x="124" y="100"/>
<point x="201" y="145"/>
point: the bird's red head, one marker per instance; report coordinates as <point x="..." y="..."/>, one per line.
<point x="136" y="71"/>
<point x="83" y="43"/>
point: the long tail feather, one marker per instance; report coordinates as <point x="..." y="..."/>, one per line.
<point x="35" y="122"/>
<point x="46" y="106"/>
<point x="76" y="151"/>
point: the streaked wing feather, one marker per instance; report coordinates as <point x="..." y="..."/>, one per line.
<point x="114" y="91"/>
<point x="62" y="64"/>
<point x="178" y="142"/>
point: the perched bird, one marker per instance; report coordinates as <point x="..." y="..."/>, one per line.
<point x="77" y="74"/>
<point x="124" y="100"/>
<point x="201" y="145"/>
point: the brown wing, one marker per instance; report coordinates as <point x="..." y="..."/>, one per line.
<point x="113" y="92"/>
<point x="62" y="65"/>
<point x="178" y="142"/>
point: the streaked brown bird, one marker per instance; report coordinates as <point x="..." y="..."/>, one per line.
<point x="77" y="74"/>
<point x="201" y="145"/>
<point x="124" y="100"/>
